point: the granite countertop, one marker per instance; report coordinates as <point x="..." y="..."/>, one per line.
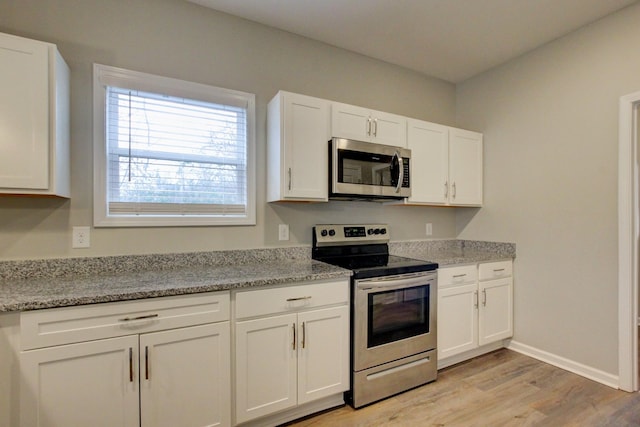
<point x="39" y="284"/>
<point x="21" y="294"/>
<point x="454" y="252"/>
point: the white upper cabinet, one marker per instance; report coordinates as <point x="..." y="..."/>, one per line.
<point x="429" y="167"/>
<point x="446" y="165"/>
<point x="298" y="133"/>
<point x="465" y="168"/>
<point x="363" y="124"/>
<point x="34" y="118"/>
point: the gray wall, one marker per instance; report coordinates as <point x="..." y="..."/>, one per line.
<point x="550" y="123"/>
<point x="178" y="39"/>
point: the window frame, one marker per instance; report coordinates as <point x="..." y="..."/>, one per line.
<point x="104" y="76"/>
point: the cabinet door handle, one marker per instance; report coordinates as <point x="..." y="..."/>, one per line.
<point x="146" y="362"/>
<point x="475" y="297"/>
<point x="369" y="126"/>
<point x="146" y="316"/>
<point x="130" y="364"/>
<point x="453" y="190"/>
<point x="375" y="127"/>
<point x="293" y="343"/>
<point x="289" y="179"/>
<point x="304" y="335"/>
<point x="446" y="189"/>
<point x="298" y="299"/>
<point x="484" y="297"/>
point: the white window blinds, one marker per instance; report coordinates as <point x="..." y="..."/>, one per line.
<point x="174" y="156"/>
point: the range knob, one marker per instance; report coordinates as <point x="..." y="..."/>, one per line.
<point x="376" y="231"/>
<point x="370" y="231"/>
<point x="332" y="232"/>
<point x="383" y="231"/>
<point x="324" y="233"/>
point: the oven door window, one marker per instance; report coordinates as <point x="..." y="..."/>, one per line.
<point x="397" y="314"/>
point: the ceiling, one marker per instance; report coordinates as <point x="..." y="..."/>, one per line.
<point x="448" y="39"/>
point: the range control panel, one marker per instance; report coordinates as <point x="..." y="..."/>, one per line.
<point x="337" y="234"/>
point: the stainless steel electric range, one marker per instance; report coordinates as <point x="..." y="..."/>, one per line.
<point x="393" y="311"/>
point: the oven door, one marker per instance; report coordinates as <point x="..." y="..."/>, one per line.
<point x="365" y="169"/>
<point x="394" y="317"/>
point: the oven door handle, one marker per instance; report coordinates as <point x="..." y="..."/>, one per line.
<point x="395" y="282"/>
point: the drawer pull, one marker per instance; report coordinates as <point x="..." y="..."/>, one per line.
<point x="297" y="299"/>
<point x="498" y="270"/>
<point x="147" y="316"/>
<point x="459" y="275"/>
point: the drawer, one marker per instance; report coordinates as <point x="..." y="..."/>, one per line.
<point x="495" y="270"/>
<point x="290" y="298"/>
<point x="451" y="276"/>
<point x="56" y="326"/>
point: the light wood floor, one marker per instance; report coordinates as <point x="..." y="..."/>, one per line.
<point x="502" y="388"/>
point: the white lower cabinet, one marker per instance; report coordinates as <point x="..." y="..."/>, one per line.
<point x="295" y="352"/>
<point x="164" y="377"/>
<point x="86" y="384"/>
<point x="185" y="377"/>
<point x="457" y="320"/>
<point x="266" y="368"/>
<point x="475" y="307"/>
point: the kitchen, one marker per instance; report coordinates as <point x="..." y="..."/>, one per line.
<point x="549" y="120"/>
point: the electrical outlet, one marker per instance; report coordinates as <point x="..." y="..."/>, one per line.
<point x="81" y="237"/>
<point x="429" y="229"/>
<point x="283" y="231"/>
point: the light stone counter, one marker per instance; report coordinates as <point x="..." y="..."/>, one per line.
<point x="454" y="252"/>
<point x="38" y="284"/>
<point x="30" y="285"/>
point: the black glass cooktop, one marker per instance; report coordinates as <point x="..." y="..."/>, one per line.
<point x="376" y="265"/>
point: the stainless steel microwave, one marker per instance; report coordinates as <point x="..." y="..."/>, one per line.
<point x="364" y="170"/>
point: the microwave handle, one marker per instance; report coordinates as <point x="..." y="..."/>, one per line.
<point x="396" y="155"/>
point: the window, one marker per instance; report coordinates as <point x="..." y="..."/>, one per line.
<point x="169" y="152"/>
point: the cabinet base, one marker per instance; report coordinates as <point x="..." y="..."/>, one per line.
<point x="452" y="360"/>
<point x="298" y="412"/>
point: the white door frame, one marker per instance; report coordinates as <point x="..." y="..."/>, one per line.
<point x="628" y="212"/>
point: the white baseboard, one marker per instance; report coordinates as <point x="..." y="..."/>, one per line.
<point x="566" y="364"/>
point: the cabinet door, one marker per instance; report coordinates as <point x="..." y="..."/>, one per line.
<point x="306" y="137"/>
<point x="323" y="353"/>
<point x="24" y="113"/>
<point x="465" y="167"/>
<point x="265" y="366"/>
<point x="88" y="384"/>
<point x="429" y="145"/>
<point x="457" y="320"/>
<point x="351" y="122"/>
<point x="388" y="129"/>
<point x="496" y="310"/>
<point x="185" y="377"/>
